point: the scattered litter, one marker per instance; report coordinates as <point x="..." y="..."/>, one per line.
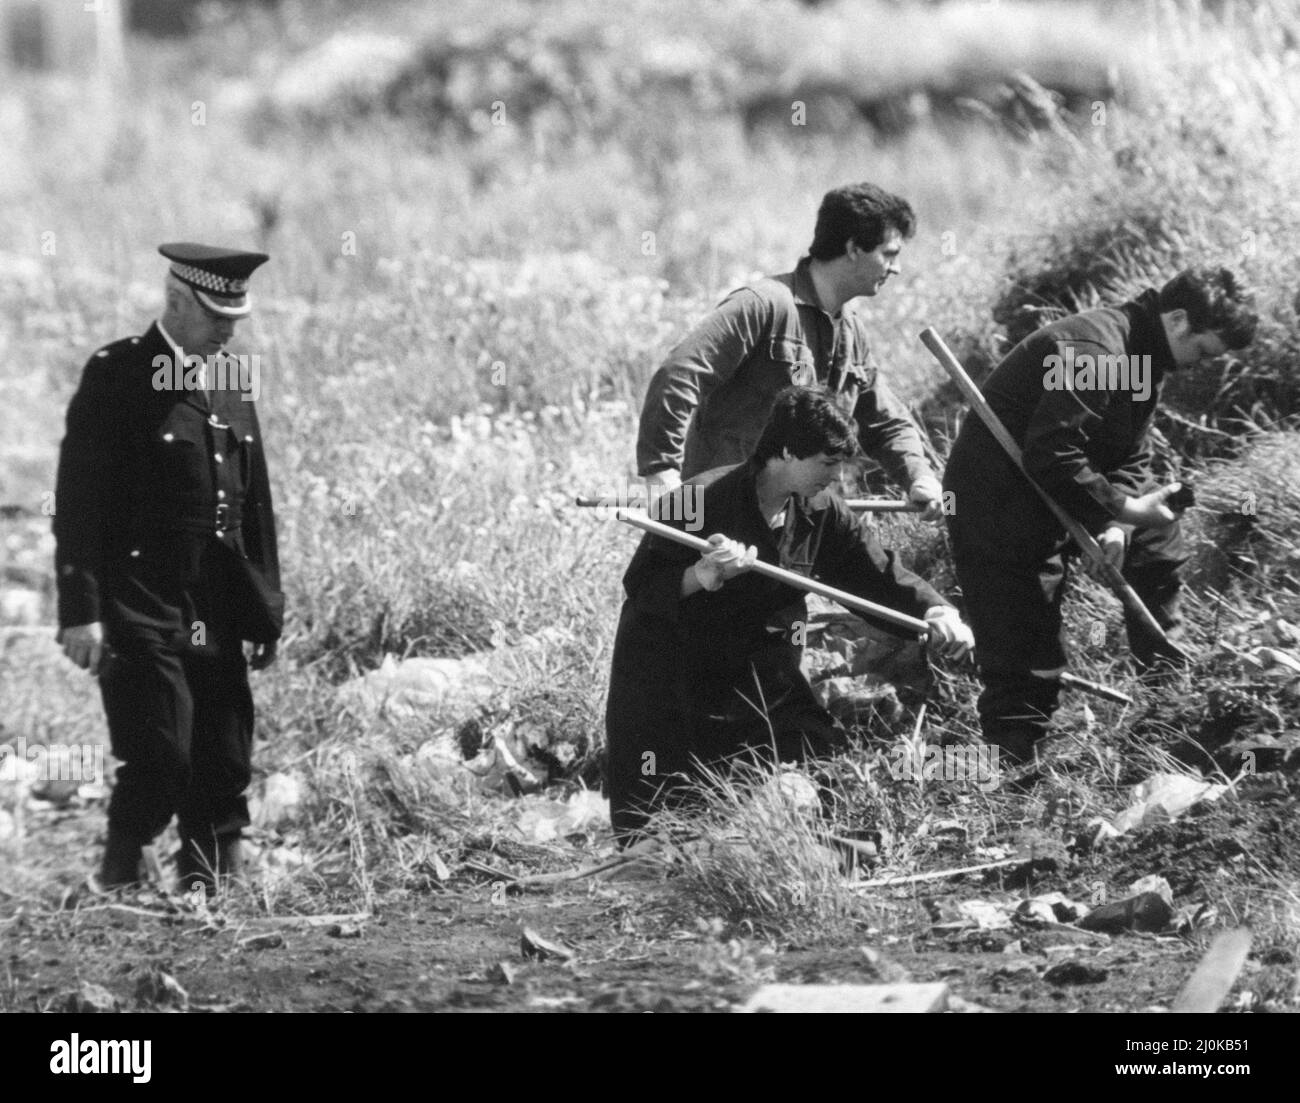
<point x="542" y="820"/>
<point x="1172" y="794"/>
<point x="554" y="1001"/>
<point x="533" y="945"/>
<point x="414" y="687"/>
<point x="860" y="998"/>
<point x="269" y="940"/>
<point x="418" y="686"/>
<point x="797" y="788"/>
<point x="1271" y="658"/>
<point x="959" y="1006"/>
<point x="1153" y="883"/>
<point x="1075" y="972"/>
<point x="1050" y="908"/>
<point x="279" y="862"/>
<point x="153" y="986"/>
<point x="278" y="803"/>
<point x="502" y="973"/>
<point x="987" y="916"/>
<point x="1093" y="837"/>
<point x="90" y="999"/>
<point x="1148" y="911"/>
<point x="1192" y="917"/>
<point x="349" y="929"/>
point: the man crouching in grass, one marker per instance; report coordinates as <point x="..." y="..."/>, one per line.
<point x="706" y="661"/>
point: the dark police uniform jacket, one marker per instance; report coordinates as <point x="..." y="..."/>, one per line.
<point x="728" y="371"/>
<point x="163" y="514"/>
<point x="1088" y="448"/>
<point x="684" y="667"/>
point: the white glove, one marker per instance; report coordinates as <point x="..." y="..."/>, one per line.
<point x="928" y="493"/>
<point x="949" y="634"/>
<point x="727" y="559"/>
<point x="1112" y="543"/>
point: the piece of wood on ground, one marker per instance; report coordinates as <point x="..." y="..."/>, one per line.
<point x="1216" y="973"/>
<point x="871" y="998"/>
<point x="934" y="875"/>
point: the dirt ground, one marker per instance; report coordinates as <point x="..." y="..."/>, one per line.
<point x="458" y="946"/>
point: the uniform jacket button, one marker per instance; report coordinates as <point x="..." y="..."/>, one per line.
<point x="169" y="436"/>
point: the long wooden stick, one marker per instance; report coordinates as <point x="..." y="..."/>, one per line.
<point x="780" y="574"/>
<point x="935" y="875"/>
<point x="1087" y="544"/>
<point x="859" y="505"/>
<point x="849" y="601"/>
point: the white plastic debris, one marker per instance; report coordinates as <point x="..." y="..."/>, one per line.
<point x="986" y="915"/>
<point x="279" y="802"/>
<point x="542" y="820"/>
<point x="1173" y="793"/>
<point x="410" y="687"/>
<point x="1153" y="883"/>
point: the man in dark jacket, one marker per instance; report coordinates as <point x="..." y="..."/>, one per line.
<point x="1078" y="396"/>
<point x="708" y="402"/>
<point x="166" y="562"/>
<point x="706" y="661"/>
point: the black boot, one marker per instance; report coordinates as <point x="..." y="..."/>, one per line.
<point x="209" y="861"/>
<point x="196" y="864"/>
<point x="121" y="864"/>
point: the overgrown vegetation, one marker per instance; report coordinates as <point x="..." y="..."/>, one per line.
<point x="460" y="319"/>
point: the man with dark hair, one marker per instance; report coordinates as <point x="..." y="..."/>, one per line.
<point x="166" y="561"/>
<point x="1078" y="396"/>
<point x="706" y="661"/>
<point x="707" y="402"/>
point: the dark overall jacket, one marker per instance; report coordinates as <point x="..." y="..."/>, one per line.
<point x="1089" y="448"/>
<point x="708" y="402"/>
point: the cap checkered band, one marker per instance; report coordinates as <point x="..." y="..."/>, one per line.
<point x="218" y="285"/>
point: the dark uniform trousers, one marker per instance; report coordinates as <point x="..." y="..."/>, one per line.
<point x="180" y="718"/>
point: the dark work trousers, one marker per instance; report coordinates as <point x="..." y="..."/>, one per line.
<point x="656" y="746"/>
<point x="1013" y="606"/>
<point x="182" y="724"/>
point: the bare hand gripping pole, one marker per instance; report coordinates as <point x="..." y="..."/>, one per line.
<point x="1087" y="544"/>
<point x="849" y="601"/>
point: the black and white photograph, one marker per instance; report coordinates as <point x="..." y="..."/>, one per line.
<point x="657" y="506"/>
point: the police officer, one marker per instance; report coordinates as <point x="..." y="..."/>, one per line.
<point x="166" y="563"/>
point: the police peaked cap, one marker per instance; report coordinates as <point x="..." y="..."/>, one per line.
<point x="218" y="276"/>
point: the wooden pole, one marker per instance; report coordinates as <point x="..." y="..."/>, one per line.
<point x="780" y="574"/>
<point x="1087" y="544"/>
<point x="859" y="505"/>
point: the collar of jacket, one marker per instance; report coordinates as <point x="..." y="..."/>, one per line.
<point x="1148" y="333"/>
<point x="801" y="284"/>
<point x="155" y="343"/>
<point x="746" y="475"/>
